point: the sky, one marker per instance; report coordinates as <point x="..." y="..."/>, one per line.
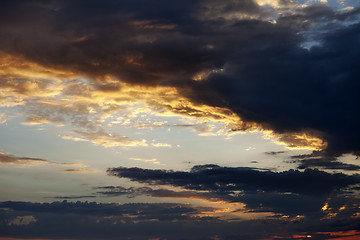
<point x="158" y="120"/>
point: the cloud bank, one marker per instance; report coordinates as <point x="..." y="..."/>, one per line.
<point x="284" y="67"/>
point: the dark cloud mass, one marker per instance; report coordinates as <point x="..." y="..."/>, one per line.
<point x="298" y="74"/>
<point x="227" y="179"/>
<point x="291" y="192"/>
<point x="90" y="220"/>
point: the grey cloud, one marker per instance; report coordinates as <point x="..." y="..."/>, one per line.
<point x="141" y="210"/>
<point x="131" y="192"/>
<point x="323" y="161"/>
<point x="74" y="197"/>
<point x="291" y="192"/>
<point x="227" y="179"/>
<point x="274" y="153"/>
<point x="84" y="220"/>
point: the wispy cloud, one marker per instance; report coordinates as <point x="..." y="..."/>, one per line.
<point x="11" y="159"/>
<point x="146" y="160"/>
<point x="22" y="162"/>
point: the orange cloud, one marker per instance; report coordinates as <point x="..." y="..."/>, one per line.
<point x="21" y="161"/>
<point x="343" y="235"/>
<point x="62" y="97"/>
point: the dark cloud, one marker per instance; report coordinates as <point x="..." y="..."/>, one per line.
<point x="132" y="192"/>
<point x="291" y="192"/>
<point x="268" y="77"/>
<point x="289" y="88"/>
<point x="323" y="161"/>
<point x="74" y="197"/>
<point x="144" y="211"/>
<point x="256" y="201"/>
<point x="227" y="179"/>
<point x="274" y="153"/>
<point x="84" y="220"/>
<point x="90" y="220"/>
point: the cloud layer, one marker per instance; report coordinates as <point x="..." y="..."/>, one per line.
<point x="284" y="67"/>
<point x="289" y="193"/>
<point x="90" y="220"/>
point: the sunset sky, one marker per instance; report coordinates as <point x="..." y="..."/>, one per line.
<point x="182" y="119"/>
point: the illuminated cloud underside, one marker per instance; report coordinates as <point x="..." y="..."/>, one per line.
<point x="59" y="97"/>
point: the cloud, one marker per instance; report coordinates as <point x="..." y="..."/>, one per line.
<point x="111" y="140"/>
<point x="340" y="235"/>
<point x="74" y="197"/>
<point x="245" y="52"/>
<point x="146" y="160"/>
<point x="81" y="170"/>
<point x="160" y="144"/>
<point x="323" y="161"/>
<point x="16" y="161"/>
<point x="291" y="192"/>
<point x="90" y="107"/>
<point x="284" y="87"/>
<point x="2" y="118"/>
<point x="159" y="193"/>
<point x="268" y="65"/>
<point x="11" y="159"/>
<point x="274" y="153"/>
<point x="22" y="220"/>
<point x="142" y="211"/>
<point x="223" y="179"/>
<point x="147" y="220"/>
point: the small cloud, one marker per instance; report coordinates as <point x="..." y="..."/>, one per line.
<point x="249" y="148"/>
<point x="22" y="220"/>
<point x="111" y="140"/>
<point x="160" y="144"/>
<point x="24" y="161"/>
<point x="74" y="197"/>
<point x="152" y="25"/>
<point x="69" y="137"/>
<point x="21" y="162"/>
<point x="148" y="160"/>
<point x="81" y="171"/>
<point x="2" y="118"/>
<point x="274" y="153"/>
<point x="79" y="39"/>
<point x="36" y="120"/>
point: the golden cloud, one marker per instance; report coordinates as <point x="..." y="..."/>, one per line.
<point x="61" y="97"/>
